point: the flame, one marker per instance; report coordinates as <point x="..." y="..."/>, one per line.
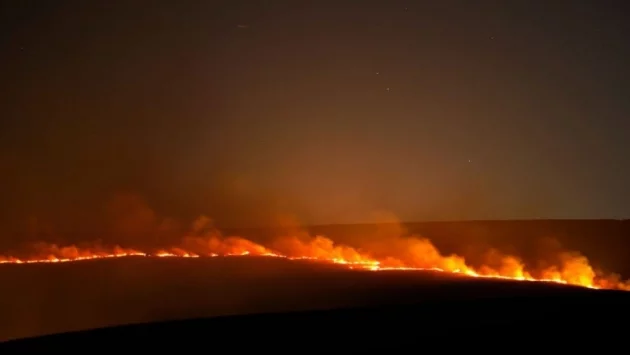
<point x="412" y="254"/>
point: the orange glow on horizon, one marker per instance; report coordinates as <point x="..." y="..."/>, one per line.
<point x="414" y="254"/>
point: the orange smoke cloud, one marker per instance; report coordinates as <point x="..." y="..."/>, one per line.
<point x="390" y="249"/>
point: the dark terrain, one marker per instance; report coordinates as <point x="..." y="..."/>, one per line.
<point x="400" y="311"/>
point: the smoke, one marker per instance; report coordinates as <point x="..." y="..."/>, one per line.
<point x="140" y="291"/>
<point x="134" y="228"/>
<point x="205" y="239"/>
<point x="131" y="217"/>
<point x="390" y="245"/>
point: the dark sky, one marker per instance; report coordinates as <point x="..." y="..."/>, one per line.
<point x="243" y="109"/>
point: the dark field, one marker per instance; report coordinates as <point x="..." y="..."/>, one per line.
<point x="382" y="309"/>
<point x="45" y="299"/>
<point x="54" y="298"/>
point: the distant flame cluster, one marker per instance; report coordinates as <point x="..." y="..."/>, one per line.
<point x="399" y="254"/>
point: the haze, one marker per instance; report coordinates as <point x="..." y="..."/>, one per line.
<point x="327" y="111"/>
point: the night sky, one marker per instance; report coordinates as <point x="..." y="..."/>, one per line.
<point x="325" y="110"/>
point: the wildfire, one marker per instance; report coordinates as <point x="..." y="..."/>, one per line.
<point x="410" y="254"/>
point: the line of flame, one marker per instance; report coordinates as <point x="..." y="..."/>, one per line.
<point x="371" y="265"/>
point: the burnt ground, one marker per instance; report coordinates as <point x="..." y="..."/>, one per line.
<point x="176" y="303"/>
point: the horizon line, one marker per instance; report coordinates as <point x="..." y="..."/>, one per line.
<point x="437" y="221"/>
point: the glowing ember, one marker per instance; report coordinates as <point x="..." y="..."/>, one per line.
<point x="406" y="254"/>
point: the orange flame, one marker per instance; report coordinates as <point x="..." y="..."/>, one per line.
<point x="406" y="254"/>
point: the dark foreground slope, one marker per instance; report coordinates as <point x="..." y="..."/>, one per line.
<point x="366" y="310"/>
<point x="559" y="318"/>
